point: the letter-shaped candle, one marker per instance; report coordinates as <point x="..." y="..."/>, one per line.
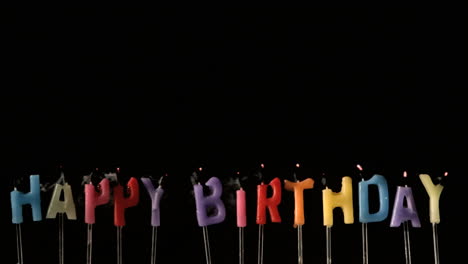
<point x="66" y="206"/>
<point x="298" y="188"/>
<point x="156" y="195"/>
<point x="434" y="192"/>
<point x="33" y="197"/>
<point x="343" y="199"/>
<point x="364" y="215"/>
<point x="121" y="202"/>
<point x="272" y="203"/>
<point x="93" y="199"/>
<point x="401" y="213"/>
<point x="241" y="208"/>
<point x="211" y="201"/>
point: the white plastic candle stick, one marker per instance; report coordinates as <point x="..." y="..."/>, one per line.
<point x="300" y="253"/>
<point x="61" y="238"/>
<point x="206" y="241"/>
<point x="435" y="238"/>
<point x="89" y="244"/>
<point x="119" y="244"/>
<point x="154" y="237"/>
<point x="260" y="243"/>
<point x="365" y="244"/>
<point x="328" y="236"/>
<point x="19" y="244"/>
<point x="241" y="245"/>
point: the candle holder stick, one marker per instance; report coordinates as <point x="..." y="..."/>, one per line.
<point x="261" y="235"/>
<point x="61" y="238"/>
<point x="119" y="244"/>
<point x="241" y="245"/>
<point x="300" y="253"/>
<point x="89" y="244"/>
<point x="406" y="233"/>
<point x="365" y="237"/>
<point x="206" y="241"/>
<point x="19" y="243"/>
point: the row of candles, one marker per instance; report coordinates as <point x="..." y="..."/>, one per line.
<point x="210" y="208"/>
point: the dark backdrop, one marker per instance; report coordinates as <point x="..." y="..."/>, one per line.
<point x="168" y="91"/>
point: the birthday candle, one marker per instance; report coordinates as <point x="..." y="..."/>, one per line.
<point x="401" y="213"/>
<point x="66" y="206"/>
<point x="93" y="199"/>
<point x="364" y="215"/>
<point x="434" y="192"/>
<point x="33" y="197"/>
<point x="156" y="195"/>
<point x="271" y="203"/>
<point x="121" y="202"/>
<point x="241" y="208"/>
<point x="211" y="201"/>
<point x="343" y="199"/>
<point x="298" y="188"/>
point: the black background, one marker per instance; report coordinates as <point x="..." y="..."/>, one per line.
<point x="168" y="91"/>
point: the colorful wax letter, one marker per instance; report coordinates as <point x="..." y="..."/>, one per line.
<point x="211" y="201"/>
<point x="401" y="213"/>
<point x="298" y="188"/>
<point x="364" y="215"/>
<point x="156" y="195"/>
<point x="121" y="202"/>
<point x="434" y="192"/>
<point x="241" y="208"/>
<point x="93" y="199"/>
<point x="343" y="199"/>
<point x="272" y="203"/>
<point x="66" y="206"/>
<point x="33" y="197"/>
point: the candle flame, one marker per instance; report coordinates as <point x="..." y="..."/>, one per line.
<point x="359" y="167"/>
<point x="446" y="174"/>
<point x="262" y="165"/>
<point x="405" y="174"/>
<point x="118" y="169"/>
<point x="297" y="165"/>
<point x="200" y="169"/>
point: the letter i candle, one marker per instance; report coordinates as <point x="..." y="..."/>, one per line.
<point x="18" y="200"/>
<point x="241" y="213"/>
<point x="402" y="214"/>
<point x="299" y="220"/>
<point x="204" y="203"/>
<point x="434" y="192"/>
<point x="155" y="195"/>
<point x="331" y="200"/>
<point x="262" y="204"/>
<point x="94" y="198"/>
